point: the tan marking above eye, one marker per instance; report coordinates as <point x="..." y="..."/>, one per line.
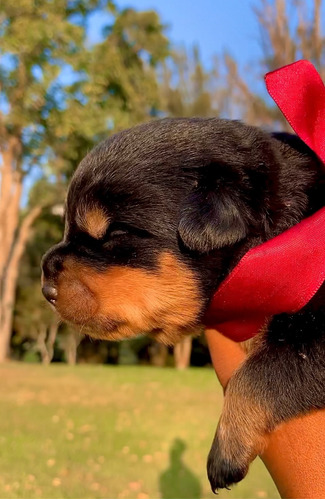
<point x="93" y="220"/>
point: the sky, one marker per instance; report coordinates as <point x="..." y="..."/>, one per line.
<point x="215" y="25"/>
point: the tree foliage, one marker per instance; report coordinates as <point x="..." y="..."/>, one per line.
<point x="187" y="87"/>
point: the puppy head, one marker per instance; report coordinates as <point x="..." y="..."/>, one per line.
<point x="152" y="216"/>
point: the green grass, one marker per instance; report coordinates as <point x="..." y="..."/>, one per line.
<point x="111" y="432"/>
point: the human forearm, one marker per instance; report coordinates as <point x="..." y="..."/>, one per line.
<point x="295" y="452"/>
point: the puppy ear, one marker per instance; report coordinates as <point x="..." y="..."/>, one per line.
<point x="212" y="219"/>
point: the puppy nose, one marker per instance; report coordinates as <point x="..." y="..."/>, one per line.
<point x="50" y="293"/>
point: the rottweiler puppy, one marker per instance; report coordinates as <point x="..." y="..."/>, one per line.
<point x="156" y="217"/>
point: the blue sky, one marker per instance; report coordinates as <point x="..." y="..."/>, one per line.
<point x="215" y="25"/>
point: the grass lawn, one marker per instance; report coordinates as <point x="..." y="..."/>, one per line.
<point x="111" y="432"/>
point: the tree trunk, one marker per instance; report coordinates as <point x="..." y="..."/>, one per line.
<point x="158" y="354"/>
<point x="53" y="330"/>
<point x="10" y="193"/>
<point x="4" y="346"/>
<point x="70" y="346"/>
<point x="41" y="345"/>
<point x="8" y="280"/>
<point x="182" y="353"/>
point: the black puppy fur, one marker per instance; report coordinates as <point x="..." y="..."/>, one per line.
<point x="190" y="197"/>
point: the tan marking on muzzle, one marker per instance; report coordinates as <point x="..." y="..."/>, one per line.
<point x="165" y="300"/>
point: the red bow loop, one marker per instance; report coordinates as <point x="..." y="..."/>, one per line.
<point x="299" y="92"/>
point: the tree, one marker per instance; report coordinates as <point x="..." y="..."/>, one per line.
<point x="33" y="319"/>
<point x="58" y="97"/>
<point x="69" y="341"/>
<point x="182" y="353"/>
<point x="187" y="87"/>
<point x="289" y="30"/>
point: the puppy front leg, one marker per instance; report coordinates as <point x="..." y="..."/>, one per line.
<point x="240" y="433"/>
<point x="280" y="380"/>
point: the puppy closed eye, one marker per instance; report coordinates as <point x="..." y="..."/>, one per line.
<point x="118" y="230"/>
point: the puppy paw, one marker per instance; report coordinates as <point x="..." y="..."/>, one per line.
<point x="225" y="470"/>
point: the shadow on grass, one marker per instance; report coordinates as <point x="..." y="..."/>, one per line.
<point x="178" y="481"/>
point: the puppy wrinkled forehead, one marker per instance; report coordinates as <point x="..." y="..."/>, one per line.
<point x="152" y="151"/>
<point x="143" y="174"/>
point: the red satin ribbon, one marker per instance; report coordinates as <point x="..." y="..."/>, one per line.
<point x="283" y="274"/>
